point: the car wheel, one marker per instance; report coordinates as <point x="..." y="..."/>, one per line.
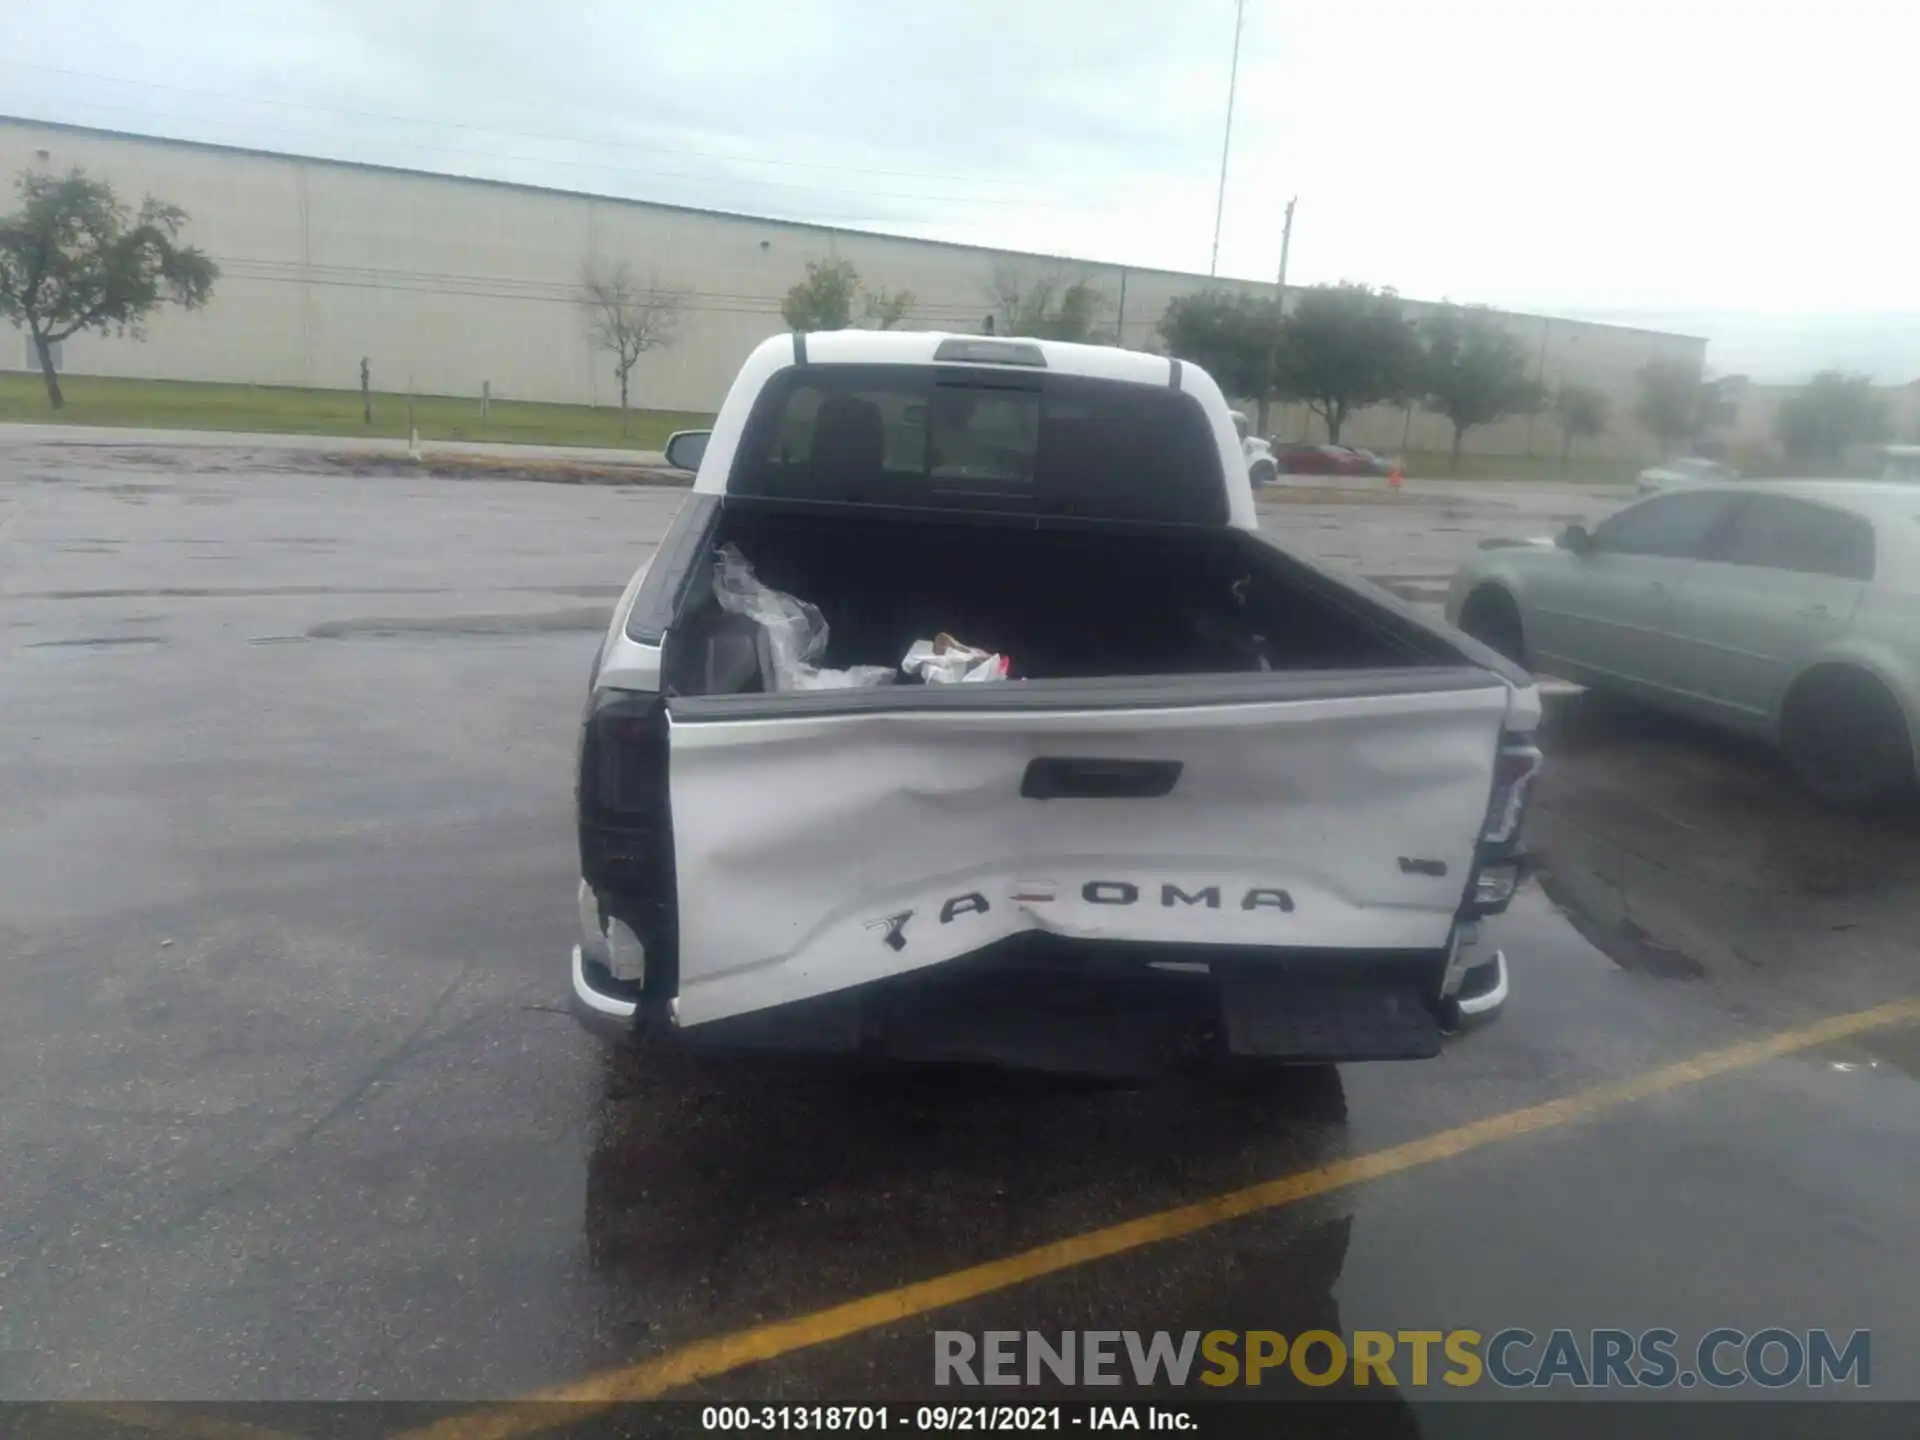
<point x="1491" y="617"/>
<point x="1263" y="473"/>
<point x="1845" y="736"/>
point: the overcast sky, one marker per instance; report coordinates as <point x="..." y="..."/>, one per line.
<point x="1734" y="170"/>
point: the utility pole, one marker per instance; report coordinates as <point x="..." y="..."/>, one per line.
<point x="1286" y="244"/>
<point x="1279" y="309"/>
<point x="1539" y="381"/>
<point x="1226" y="142"/>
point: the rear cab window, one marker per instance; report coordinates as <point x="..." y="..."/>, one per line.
<point x="955" y="437"/>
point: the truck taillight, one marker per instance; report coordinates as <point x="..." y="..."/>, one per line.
<point x="623" y="771"/>
<point x="623" y="793"/>
<point x="1513" y="773"/>
<point x="626" y="835"/>
<point x="1494" y="886"/>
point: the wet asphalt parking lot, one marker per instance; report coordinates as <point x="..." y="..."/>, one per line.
<point x="290" y="1109"/>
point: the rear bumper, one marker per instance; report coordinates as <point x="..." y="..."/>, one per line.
<point x="596" y="1006"/>
<point x="1100" y="1010"/>
<point x="1483" y="994"/>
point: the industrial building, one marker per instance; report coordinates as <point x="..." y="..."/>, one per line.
<point x="452" y="284"/>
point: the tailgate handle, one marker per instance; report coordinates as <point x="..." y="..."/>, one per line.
<point x="1062" y="778"/>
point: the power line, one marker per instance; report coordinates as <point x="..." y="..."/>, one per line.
<point x="280" y="272"/>
<point x="611" y="168"/>
<point x="1101" y="185"/>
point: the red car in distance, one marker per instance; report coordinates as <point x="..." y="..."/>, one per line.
<point x="1329" y="460"/>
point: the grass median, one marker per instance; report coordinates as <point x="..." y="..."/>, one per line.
<point x="288" y="410"/>
<point x="1581" y="470"/>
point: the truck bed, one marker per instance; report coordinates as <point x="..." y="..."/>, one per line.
<point x="1060" y="602"/>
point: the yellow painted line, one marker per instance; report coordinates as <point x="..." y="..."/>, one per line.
<point x="180" y="1422"/>
<point x="704" y="1359"/>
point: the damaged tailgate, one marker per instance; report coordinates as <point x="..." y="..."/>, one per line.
<point x="826" y="841"/>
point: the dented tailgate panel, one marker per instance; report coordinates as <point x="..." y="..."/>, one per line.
<point x="817" y="852"/>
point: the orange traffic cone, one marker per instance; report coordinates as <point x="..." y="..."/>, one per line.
<point x="1394" y="476"/>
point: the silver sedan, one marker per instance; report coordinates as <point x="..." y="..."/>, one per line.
<point x="1788" y="610"/>
<point x="1689" y="470"/>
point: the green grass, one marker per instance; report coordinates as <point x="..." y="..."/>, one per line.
<point x="1437" y="465"/>
<point x="275" y="409"/>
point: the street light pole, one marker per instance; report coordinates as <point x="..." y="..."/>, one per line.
<point x="1226" y="141"/>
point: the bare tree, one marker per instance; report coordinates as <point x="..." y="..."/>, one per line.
<point x="627" y="319"/>
<point x="1015" y="299"/>
<point x="1052" y="306"/>
<point x="887" y="308"/>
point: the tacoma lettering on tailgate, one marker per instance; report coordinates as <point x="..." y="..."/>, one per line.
<point x="1094" y="892"/>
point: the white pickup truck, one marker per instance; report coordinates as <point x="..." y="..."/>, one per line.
<point x="1223" y="802"/>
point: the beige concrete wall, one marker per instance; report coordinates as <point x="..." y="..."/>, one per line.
<point x="454" y="283"/>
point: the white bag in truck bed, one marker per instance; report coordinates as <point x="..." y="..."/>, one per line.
<point x="816" y="852"/>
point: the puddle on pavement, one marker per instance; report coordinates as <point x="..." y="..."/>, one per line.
<point x="1622" y="941"/>
<point x="1699" y="803"/>
<point x="128" y="487"/>
<point x="593" y="618"/>
<point x="1887" y="1053"/>
<point x="1430" y="588"/>
<point x="585" y="592"/>
<point x="227" y="592"/>
<point x="95" y="642"/>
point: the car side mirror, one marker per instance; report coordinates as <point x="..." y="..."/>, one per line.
<point x="686" y="448"/>
<point x="1576" y="538"/>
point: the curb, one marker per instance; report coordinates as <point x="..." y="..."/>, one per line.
<point x="487" y="467"/>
